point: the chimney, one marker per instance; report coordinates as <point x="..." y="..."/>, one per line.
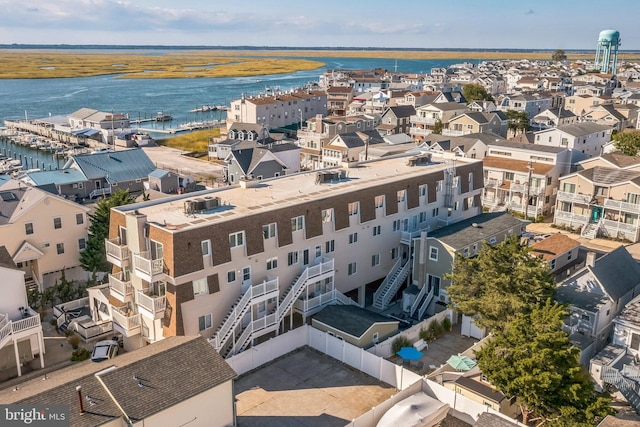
<point x="79" y="390"/>
<point x="591" y="259"/>
<point x="318" y="123"/>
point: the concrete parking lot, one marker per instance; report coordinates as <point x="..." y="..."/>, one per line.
<point x="306" y="388"/>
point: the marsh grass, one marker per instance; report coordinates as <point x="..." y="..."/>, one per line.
<point x="196" y="141"/>
<point x="38" y="64"/>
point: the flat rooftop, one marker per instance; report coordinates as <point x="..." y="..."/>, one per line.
<point x="306" y="388"/>
<point x="278" y="192"/>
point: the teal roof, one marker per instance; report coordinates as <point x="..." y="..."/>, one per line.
<point x="114" y="166"/>
<point x="57" y="177"/>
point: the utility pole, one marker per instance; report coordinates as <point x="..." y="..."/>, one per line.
<point x="526" y="206"/>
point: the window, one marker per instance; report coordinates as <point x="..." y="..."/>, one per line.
<point x="568" y="188"/>
<point x="633" y="198"/>
<point x="433" y="253"/>
<point x="552" y="264"/>
<point x="200" y="287"/>
<point x="394" y="253"/>
<point x="60" y="248"/>
<point x="231" y="276"/>
<point x="353" y="208"/>
<point x="292" y="258"/>
<point x="549" y="180"/>
<point x="82" y="243"/>
<point x="327" y="215"/>
<point x="351" y="269"/>
<point x="28" y="228"/>
<point x="57" y="223"/>
<point x="396" y="225"/>
<point x="297" y="223"/>
<point x="375" y="260"/>
<point x="205" y="322"/>
<point x="422" y="217"/>
<point x="422" y="190"/>
<point x="236" y="239"/>
<point x="79" y="218"/>
<point x="509" y="176"/>
<point x="272" y="263"/>
<point x="206" y="247"/>
<point x="353" y="238"/>
<point x="377" y="230"/>
<point x="269" y="231"/>
<point x="435" y="212"/>
<point x="401" y="195"/>
<point x="379" y="201"/>
<point x="465" y="252"/>
<point x="569" y="255"/>
<point x="329" y="246"/>
<point x="434" y="283"/>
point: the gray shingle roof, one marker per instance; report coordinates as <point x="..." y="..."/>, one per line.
<point x="529" y="147"/>
<point x="9" y="201"/>
<point x="583" y="129"/>
<point x="353" y="320"/>
<point x="486" y="419"/>
<point x="618" y="272"/>
<point x="170" y="371"/>
<point x="115" y="166"/>
<point x="5" y="258"/>
<point x="464" y="233"/>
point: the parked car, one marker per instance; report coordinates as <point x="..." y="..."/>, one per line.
<point x="104" y="350"/>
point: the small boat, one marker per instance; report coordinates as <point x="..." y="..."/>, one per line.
<point x="163" y="117"/>
<point x="101" y="150"/>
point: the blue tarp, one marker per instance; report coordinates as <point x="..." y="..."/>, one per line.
<point x="410" y="353"/>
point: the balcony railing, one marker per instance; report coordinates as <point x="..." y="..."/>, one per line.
<point x="128" y="321"/>
<point x="571" y="217"/>
<point x="423" y="120"/>
<point x="154" y="304"/>
<point x="613" y="226"/>
<point x="565" y="196"/>
<point x="622" y="206"/>
<point x="143" y="263"/>
<point x="116" y="251"/>
<point x="123" y="289"/>
<point x="522" y="188"/>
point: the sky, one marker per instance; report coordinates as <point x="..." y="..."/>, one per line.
<point x="514" y="24"/>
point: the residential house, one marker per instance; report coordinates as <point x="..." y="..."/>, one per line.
<point x="475" y="386"/>
<point x="532" y="104"/>
<point x="164" y="181"/>
<point x="87" y="176"/>
<point x="560" y="252"/>
<point x="473" y="145"/>
<point x="617" y="116"/>
<point x="44" y="233"/>
<point x="580" y="104"/>
<point x="21" y="338"/>
<point x="357" y="326"/>
<point x="320" y="130"/>
<point x="596" y="294"/>
<point x="260" y="162"/>
<point x="338" y="99"/>
<point x="583" y="139"/>
<point x="347" y="147"/>
<point x="393" y="145"/>
<point x="553" y="117"/>
<point x="523" y="177"/>
<point x="237" y="134"/>
<point x="482" y="106"/>
<point x="426" y="117"/>
<point x="496" y="122"/>
<point x="396" y="119"/>
<point x="602" y="200"/>
<point x="278" y="109"/>
<point x="418" y="99"/>
<point x="273" y="242"/>
<point x="180" y="381"/>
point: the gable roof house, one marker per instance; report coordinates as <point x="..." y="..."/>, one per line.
<point x="613" y="115"/>
<point x="471" y="122"/>
<point x="473" y="145"/>
<point x="21" y="337"/>
<point x="553" y="117"/>
<point x="597" y="294"/>
<point x="256" y="162"/>
<point x="426" y="116"/>
<point x="560" y="252"/>
<point x="347" y="147"/>
<point x="583" y="139"/>
<point x="532" y="104"/>
<point x="44" y="233"/>
<point x="178" y="381"/>
<point x="338" y="99"/>
<point x="396" y="119"/>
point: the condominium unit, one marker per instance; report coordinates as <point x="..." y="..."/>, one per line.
<point x="235" y="264"/>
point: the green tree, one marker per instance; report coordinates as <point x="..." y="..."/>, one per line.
<point x="518" y="121"/>
<point x="534" y="360"/>
<point x="627" y="142"/>
<point x="503" y="280"/>
<point x="559" y="55"/>
<point x="476" y="92"/>
<point x="93" y="258"/>
<point x="437" y="127"/>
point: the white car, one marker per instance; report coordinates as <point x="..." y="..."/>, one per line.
<point x="104" y="350"/>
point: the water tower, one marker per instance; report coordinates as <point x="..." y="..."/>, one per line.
<point x="607" y="51"/>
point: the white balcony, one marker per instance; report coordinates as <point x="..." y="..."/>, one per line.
<point x="423" y="120"/>
<point x="120" y="289"/>
<point x="564" y="196"/>
<point x="152" y="305"/>
<point x="117" y="253"/>
<point x="126" y="321"/>
<point x="570" y="218"/>
<point x="20" y="327"/>
<point x="621" y="206"/>
<point x="420" y="131"/>
<point x="147" y="268"/>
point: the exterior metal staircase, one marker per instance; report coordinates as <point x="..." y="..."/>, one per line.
<point x="590" y="230"/>
<point x="422" y="302"/>
<point x="630" y="389"/>
<point x="390" y="285"/>
<point x="269" y="323"/>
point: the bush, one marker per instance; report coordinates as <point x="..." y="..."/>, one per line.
<point x="68" y="333"/>
<point x="427" y="335"/>
<point x="80" y="355"/>
<point x="400" y="342"/>
<point x="74" y="340"/>
<point x="446" y="324"/>
<point x="436" y="328"/>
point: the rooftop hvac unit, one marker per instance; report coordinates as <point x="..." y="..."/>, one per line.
<point x="189" y="207"/>
<point x="422" y="159"/>
<point x="330" y="176"/>
<point x="211" y="202"/>
<point x="200" y="204"/>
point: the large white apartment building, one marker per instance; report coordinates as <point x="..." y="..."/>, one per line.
<point x="236" y="264"/>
